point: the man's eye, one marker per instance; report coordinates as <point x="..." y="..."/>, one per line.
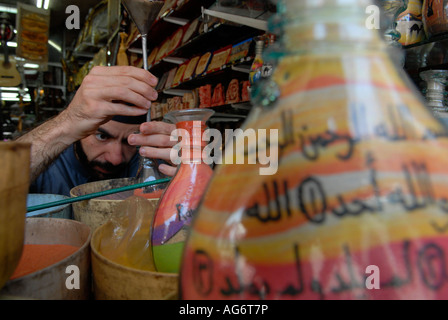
<point x="101" y="136"/>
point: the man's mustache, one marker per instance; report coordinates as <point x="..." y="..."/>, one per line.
<point x="109" y="167"/>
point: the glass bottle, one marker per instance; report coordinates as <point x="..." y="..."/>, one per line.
<point x="356" y="205"/>
<point x="181" y="198"/>
<point x="257" y="64"/>
<point x="268" y="68"/>
<point x="436" y="82"/>
<point x="148" y="171"/>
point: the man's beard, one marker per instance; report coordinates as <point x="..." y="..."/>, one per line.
<point x="115" y="170"/>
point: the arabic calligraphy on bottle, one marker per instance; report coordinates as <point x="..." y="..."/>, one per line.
<point x="362" y="180"/>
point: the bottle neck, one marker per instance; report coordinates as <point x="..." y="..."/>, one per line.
<point x="311" y="32"/>
<point x="191" y="142"/>
<point x="436" y="82"/>
<point x="259" y="48"/>
<point x="322" y="27"/>
<point x="435" y="96"/>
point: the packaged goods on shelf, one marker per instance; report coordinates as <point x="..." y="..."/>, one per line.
<point x="168" y="6"/>
<point x="218" y="96"/>
<point x="219" y="59"/>
<point x="190" y="30"/>
<point x="191" y="67"/>
<point x="239" y="51"/>
<point x="203" y="64"/>
<point x="175" y="40"/>
<point x="205" y="96"/>
<point x="179" y="74"/>
<point x="233" y="92"/>
<point x="170" y="79"/>
<point x="245" y="94"/>
<point x="152" y="56"/>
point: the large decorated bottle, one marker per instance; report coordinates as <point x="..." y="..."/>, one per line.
<point x="358" y="205"/>
<point x="181" y="198"/>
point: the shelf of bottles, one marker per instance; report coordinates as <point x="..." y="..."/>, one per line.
<point x="424" y="36"/>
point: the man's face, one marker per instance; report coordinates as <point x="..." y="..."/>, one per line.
<point x="107" y="152"/>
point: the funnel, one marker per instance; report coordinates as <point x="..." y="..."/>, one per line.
<point x="143" y="13"/>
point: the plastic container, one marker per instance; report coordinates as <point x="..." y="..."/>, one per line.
<point x="62" y="211"/>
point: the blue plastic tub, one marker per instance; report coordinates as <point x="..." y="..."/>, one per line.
<point x="62" y="211"/>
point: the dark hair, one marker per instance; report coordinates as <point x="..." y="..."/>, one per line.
<point x="130" y="119"/>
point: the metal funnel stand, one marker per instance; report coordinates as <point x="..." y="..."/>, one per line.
<point x="144" y="13"/>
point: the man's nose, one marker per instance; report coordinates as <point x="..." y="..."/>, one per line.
<point x="115" y="153"/>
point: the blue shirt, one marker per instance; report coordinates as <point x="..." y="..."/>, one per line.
<point x="66" y="172"/>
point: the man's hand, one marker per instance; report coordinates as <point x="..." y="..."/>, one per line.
<point x="108" y="91"/>
<point x="154" y="139"/>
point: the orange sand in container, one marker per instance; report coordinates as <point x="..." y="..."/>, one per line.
<point x="39" y="256"/>
<point x="153" y="195"/>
